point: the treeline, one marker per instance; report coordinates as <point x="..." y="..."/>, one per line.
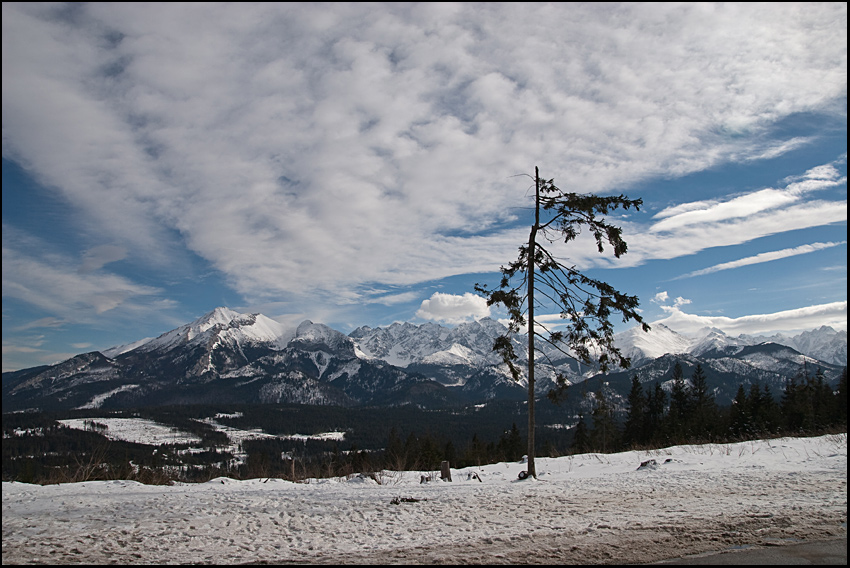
<point x="689" y="414"/>
<point x="38" y="449"/>
<point x="277" y="457"/>
<point x="54" y="453"/>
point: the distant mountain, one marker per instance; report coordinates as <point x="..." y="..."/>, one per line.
<point x="224" y="357"/>
<point x="824" y="344"/>
<point x="229" y="357"/>
<point x="640" y="346"/>
<point x="402" y="344"/>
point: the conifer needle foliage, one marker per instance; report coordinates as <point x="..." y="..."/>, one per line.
<point x="586" y="304"/>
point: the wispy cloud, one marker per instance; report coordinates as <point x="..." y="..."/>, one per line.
<point x="395" y="299"/>
<point x="796" y="320"/>
<point x="54" y="283"/>
<point x="307" y="150"/>
<point x="691" y="227"/>
<point x="748" y="205"/>
<point x="42" y="322"/>
<point x="97" y="257"/>
<point x="763" y="257"/>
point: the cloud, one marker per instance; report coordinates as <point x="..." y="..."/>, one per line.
<point x="747" y="205"/>
<point x="21" y="352"/>
<point x="796" y="320"/>
<point x="450" y="308"/>
<point x="42" y="322"/>
<point x="97" y="257"/>
<point x="53" y="283"/>
<point x="776" y="149"/>
<point x="393" y="299"/>
<point x="762" y="257"/>
<point x="660" y="297"/>
<point x="688" y="228"/>
<point x="308" y="151"/>
<point x="19" y="349"/>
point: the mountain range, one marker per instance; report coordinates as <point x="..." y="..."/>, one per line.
<point x="229" y="357"/>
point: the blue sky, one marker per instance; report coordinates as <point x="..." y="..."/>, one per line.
<point x="361" y="164"/>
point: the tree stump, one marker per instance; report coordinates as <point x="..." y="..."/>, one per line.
<point x="445" y="472"/>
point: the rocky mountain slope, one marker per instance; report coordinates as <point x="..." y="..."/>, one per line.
<point x="226" y="356"/>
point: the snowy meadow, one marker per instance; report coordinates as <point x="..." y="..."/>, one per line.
<point x="630" y="507"/>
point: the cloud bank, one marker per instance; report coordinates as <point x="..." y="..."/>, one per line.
<point x="789" y="321"/>
<point x="314" y="151"/>
<point x="452" y="309"/>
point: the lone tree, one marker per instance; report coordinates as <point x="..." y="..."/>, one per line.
<point x="584" y="303"/>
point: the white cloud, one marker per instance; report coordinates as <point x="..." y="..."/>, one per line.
<point x="692" y="227"/>
<point x="97" y="257"/>
<point x="661" y="297"/>
<point x="305" y="149"/>
<point x="19" y="349"/>
<point x="42" y="322"/>
<point x="748" y="205"/>
<point x="762" y="257"/>
<point x="393" y="299"/>
<point x="54" y="284"/>
<point x="774" y="150"/>
<point x="450" y="308"/>
<point x="796" y="320"/>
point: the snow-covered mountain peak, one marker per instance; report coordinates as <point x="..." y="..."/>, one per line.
<point x="229" y="324"/>
<point x="455" y="355"/>
<point x="309" y="330"/>
<point x="259" y="328"/>
<point x="318" y="334"/>
<point x="113" y="352"/>
<point x="660" y="340"/>
<point x="709" y="331"/>
<point x="219" y="316"/>
<point x="711" y="339"/>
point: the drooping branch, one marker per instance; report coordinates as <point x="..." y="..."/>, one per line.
<point x="585" y="304"/>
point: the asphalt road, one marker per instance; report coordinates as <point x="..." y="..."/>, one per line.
<point x="822" y="552"/>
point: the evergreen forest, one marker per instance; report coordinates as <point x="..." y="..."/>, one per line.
<point x="37" y="448"/>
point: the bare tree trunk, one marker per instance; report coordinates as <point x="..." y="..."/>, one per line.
<point x="531" y="250"/>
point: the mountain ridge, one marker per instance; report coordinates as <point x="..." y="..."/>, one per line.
<point x="226" y="355"/>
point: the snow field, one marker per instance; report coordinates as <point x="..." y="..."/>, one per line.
<point x="590" y="508"/>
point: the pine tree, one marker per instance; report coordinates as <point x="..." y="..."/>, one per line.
<point x="604" y="436"/>
<point x="656" y="402"/>
<point x="585" y="304"/>
<point x="476" y="452"/>
<point x="510" y="444"/>
<point x="633" y="434"/>
<point x="581" y="437"/>
<point x="678" y="415"/>
<point x="449" y="453"/>
<point x="792" y="406"/>
<point x="770" y="416"/>
<point x="841" y="399"/>
<point x="739" y="413"/>
<point x="394" y="457"/>
<point x="822" y="401"/>
<point x="704" y="416"/>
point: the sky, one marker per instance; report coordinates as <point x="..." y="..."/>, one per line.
<point x="362" y="164"/>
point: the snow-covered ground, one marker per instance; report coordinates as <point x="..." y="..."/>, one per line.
<point x="137" y="430"/>
<point x="590" y="508"/>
